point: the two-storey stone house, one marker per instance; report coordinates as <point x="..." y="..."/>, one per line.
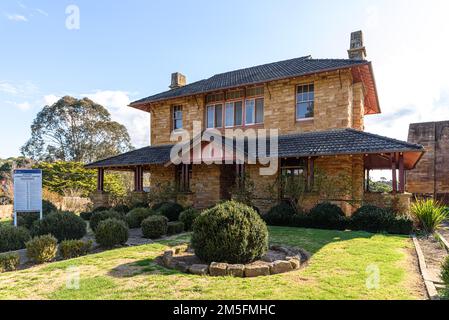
<point x="318" y="107"/>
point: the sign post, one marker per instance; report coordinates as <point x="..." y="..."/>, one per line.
<point x="27" y="192"/>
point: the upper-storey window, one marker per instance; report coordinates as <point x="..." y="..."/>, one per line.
<point x="215" y="116"/>
<point x="177" y="117"/>
<point x="233" y="110"/>
<point x="305" y="98"/>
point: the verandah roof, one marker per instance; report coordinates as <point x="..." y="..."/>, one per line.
<point x="312" y="144"/>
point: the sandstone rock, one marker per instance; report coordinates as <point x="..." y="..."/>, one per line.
<point x="295" y="262"/>
<point x="257" y="270"/>
<point x="281" y="266"/>
<point x="236" y="270"/>
<point x="167" y="258"/>
<point x="199" y="269"/>
<point x="182" y="266"/>
<point x="218" y="269"/>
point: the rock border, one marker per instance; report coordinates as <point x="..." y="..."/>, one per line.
<point x="295" y="259"/>
<point x="430" y="286"/>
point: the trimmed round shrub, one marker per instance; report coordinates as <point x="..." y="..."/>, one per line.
<point x="175" y="227"/>
<point x="86" y="215"/>
<point x="9" y="262"/>
<point x="139" y="205"/>
<point x="111" y="233"/>
<point x="99" y="216"/>
<point x="135" y="217"/>
<point x="99" y="209"/>
<point x="12" y="238"/>
<point x="230" y="232"/>
<point x="62" y="225"/>
<point x="171" y="211"/>
<point x="26" y="219"/>
<point x="401" y="225"/>
<point x="42" y="249"/>
<point x="188" y="217"/>
<point x="328" y="216"/>
<point x="280" y="215"/>
<point x="48" y="207"/>
<point x="158" y="205"/>
<point x="154" y="227"/>
<point x="70" y="249"/>
<point x="372" y="219"/>
<point x="122" y="208"/>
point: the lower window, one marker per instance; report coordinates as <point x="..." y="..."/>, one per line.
<point x="183" y="177"/>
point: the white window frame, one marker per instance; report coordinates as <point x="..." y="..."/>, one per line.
<point x="176" y="111"/>
<point x="305" y="101"/>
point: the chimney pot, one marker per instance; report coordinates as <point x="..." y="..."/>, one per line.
<point x="178" y="80"/>
<point x="357" y="49"/>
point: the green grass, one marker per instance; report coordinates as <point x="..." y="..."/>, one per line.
<point x="5" y="221"/>
<point x="337" y="270"/>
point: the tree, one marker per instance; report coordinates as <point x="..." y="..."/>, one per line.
<point x="75" y="130"/>
<point x="71" y="177"/>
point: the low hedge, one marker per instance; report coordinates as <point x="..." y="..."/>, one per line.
<point x="171" y="210"/>
<point x="135" y="217"/>
<point x="9" y="262"/>
<point x="12" y="238"/>
<point x="328" y="216"/>
<point x="70" y="249"/>
<point x="175" y="227"/>
<point x="99" y="216"/>
<point x="122" y="208"/>
<point x="86" y="215"/>
<point x="62" y="225"/>
<point x="111" y="233"/>
<point x="188" y="217"/>
<point x="281" y="214"/>
<point x="42" y="249"/>
<point x="154" y="227"/>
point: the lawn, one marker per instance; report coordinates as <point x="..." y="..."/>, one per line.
<point x="337" y="270"/>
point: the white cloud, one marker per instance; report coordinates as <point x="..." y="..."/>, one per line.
<point x="407" y="47"/>
<point x="25" y="106"/>
<point x="42" y="12"/>
<point x="50" y="99"/>
<point x="137" y="122"/>
<point x="17" y="17"/>
<point x="26" y="88"/>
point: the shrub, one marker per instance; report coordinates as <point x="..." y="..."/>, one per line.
<point x="328" y="216"/>
<point x="48" y="207"/>
<point x="139" y="205"/>
<point x="158" y="205"/>
<point x="135" y="217"/>
<point x="99" y="209"/>
<point x="121" y="208"/>
<point x="86" y="215"/>
<point x="401" y="225"/>
<point x="372" y="219"/>
<point x="26" y="219"/>
<point x="171" y="210"/>
<point x="42" y="249"/>
<point x="445" y="272"/>
<point x="9" y="262"/>
<point x="429" y="213"/>
<point x="188" y="217"/>
<point x="99" y="216"/>
<point x="175" y="227"/>
<point x="74" y="248"/>
<point x="280" y="215"/>
<point x="111" y="232"/>
<point x="154" y="227"/>
<point x="12" y="238"/>
<point x="230" y="232"/>
<point x="62" y="225"/>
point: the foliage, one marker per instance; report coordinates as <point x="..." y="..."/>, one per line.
<point x="99" y="216"/>
<point x="26" y="219"/>
<point x="135" y="217"/>
<point x="280" y="215"/>
<point x="230" y="232"/>
<point x="163" y="193"/>
<point x="293" y="189"/>
<point x="175" y="227"/>
<point x="86" y="215"/>
<point x="328" y="216"/>
<point x="62" y="225"/>
<point x="171" y="210"/>
<point x="121" y="208"/>
<point x="445" y="272"/>
<point x="382" y="186"/>
<point x="12" y="238"/>
<point x="74" y="248"/>
<point x="429" y="213"/>
<point x="244" y="190"/>
<point x="111" y="232"/>
<point x="332" y="187"/>
<point x="9" y="262"/>
<point x="75" y="130"/>
<point x="188" y="217"/>
<point x="154" y="227"/>
<point x="61" y="177"/>
<point x="42" y="249"/>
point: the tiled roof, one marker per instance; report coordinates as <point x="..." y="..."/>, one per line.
<point x="255" y="75"/>
<point x="324" y="143"/>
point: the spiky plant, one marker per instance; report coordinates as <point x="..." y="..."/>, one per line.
<point x="429" y="213"/>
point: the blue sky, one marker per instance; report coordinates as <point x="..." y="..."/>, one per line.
<point x="126" y="50"/>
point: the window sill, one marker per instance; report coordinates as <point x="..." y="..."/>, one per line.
<point x="305" y="120"/>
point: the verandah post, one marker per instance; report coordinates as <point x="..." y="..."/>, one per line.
<point x="393" y="171"/>
<point x="401" y="173"/>
<point x="100" y="179"/>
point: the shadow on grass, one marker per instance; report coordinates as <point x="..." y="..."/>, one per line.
<point x="145" y="266"/>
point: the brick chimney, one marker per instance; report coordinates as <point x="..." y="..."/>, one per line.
<point x="178" y="80"/>
<point x="357" y="50"/>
